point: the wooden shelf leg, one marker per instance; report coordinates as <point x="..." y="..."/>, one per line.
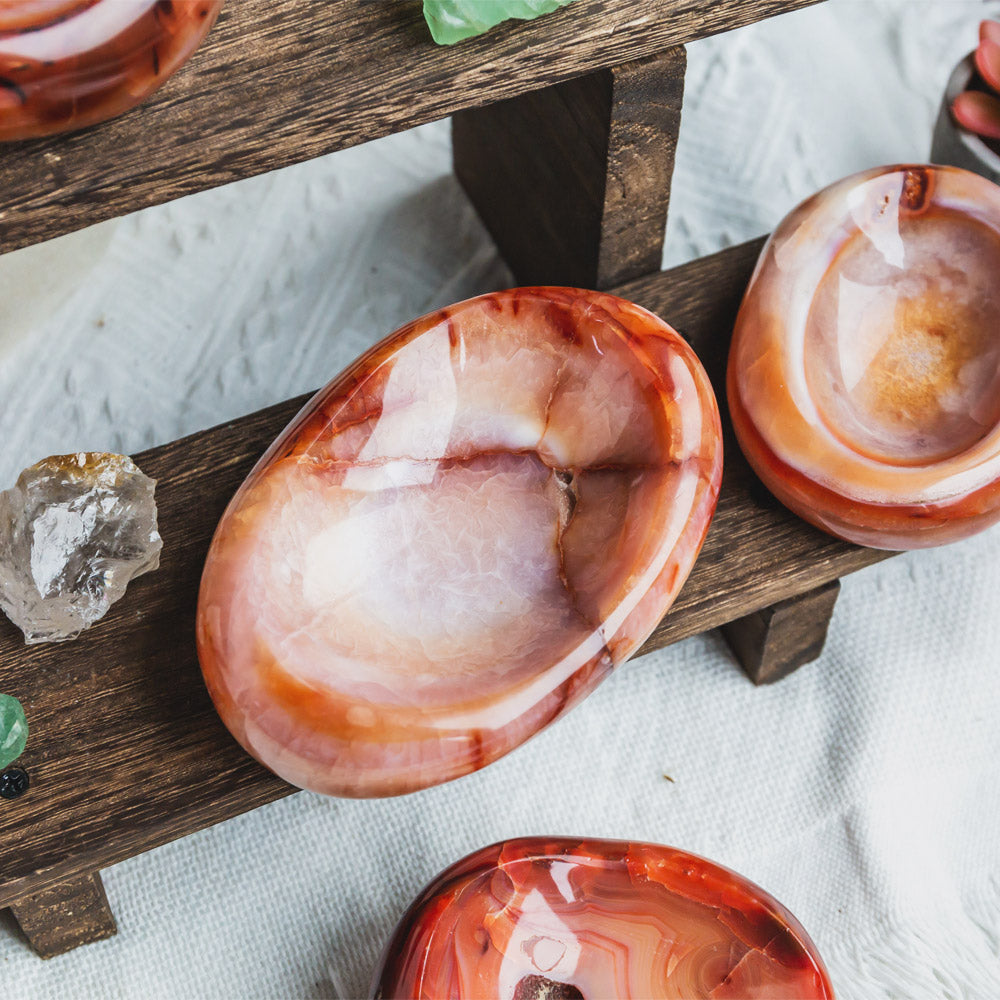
<point x="770" y="644"/>
<point x="573" y="181"/>
<point x="66" y="916"/>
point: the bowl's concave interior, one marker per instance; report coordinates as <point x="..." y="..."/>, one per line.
<point x="503" y="507"/>
<point x="902" y="341"/>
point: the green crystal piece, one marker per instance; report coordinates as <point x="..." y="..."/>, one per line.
<point x="452" y="20"/>
<point x="13" y="730"/>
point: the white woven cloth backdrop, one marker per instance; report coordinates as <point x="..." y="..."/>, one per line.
<point x="864" y="792"/>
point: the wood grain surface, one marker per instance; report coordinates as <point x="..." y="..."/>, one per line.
<point x="773" y="642"/>
<point x="126" y="751"/>
<point x="281" y="81"/>
<point x="65" y="916"/>
<point x="589" y="162"/>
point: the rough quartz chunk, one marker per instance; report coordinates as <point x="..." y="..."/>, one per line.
<point x="73" y="532"/>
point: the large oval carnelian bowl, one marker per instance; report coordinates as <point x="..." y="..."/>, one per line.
<point x="457" y="539"/>
<point x="864" y="373"/>
<point x="67" y="64"/>
<point x="561" y="919"/>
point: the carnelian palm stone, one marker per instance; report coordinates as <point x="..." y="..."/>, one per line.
<point x="560" y="919"/>
<point x="457" y="539"/>
<point x="66" y="64"/>
<point x="864" y="372"/>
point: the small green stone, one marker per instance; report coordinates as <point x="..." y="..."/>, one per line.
<point x="451" y="21"/>
<point x="13" y="730"/>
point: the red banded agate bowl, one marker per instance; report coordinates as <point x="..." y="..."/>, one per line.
<point x="864" y="372"/>
<point x="457" y="539"/>
<point x="66" y="64"/>
<point x="561" y="919"/>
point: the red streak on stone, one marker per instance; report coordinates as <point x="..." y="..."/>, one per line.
<point x="65" y="65"/>
<point x="542" y="918"/>
<point x="561" y="319"/>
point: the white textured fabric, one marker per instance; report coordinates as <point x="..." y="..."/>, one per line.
<point x="864" y="791"/>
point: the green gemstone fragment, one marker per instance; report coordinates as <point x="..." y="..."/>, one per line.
<point x="452" y="20"/>
<point x="13" y="730"/>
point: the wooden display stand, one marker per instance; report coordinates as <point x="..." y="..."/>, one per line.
<point x="126" y="751"/>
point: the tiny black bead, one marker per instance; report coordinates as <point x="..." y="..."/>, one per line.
<point x="13" y="783"/>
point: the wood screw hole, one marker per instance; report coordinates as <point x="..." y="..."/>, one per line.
<point x="14" y="783"/>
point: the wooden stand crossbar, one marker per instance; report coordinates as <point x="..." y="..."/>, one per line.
<point x="281" y="81"/>
<point x="126" y="751"/>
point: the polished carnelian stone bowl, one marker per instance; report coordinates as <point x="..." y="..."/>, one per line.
<point x="67" y="64"/>
<point x="554" y="918"/>
<point x="864" y="372"/>
<point x="457" y="539"/>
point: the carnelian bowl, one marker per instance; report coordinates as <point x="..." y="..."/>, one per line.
<point x="557" y="918"/>
<point x="864" y="372"/>
<point x="458" y="538"/>
<point x="68" y="64"/>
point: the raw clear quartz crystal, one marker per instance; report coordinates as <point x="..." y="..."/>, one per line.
<point x="74" y="531"/>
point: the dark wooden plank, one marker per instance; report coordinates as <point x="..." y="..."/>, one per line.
<point x="588" y="162"/>
<point x="772" y="643"/>
<point x="126" y="751"/>
<point x="65" y="916"/>
<point x="281" y="81"/>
